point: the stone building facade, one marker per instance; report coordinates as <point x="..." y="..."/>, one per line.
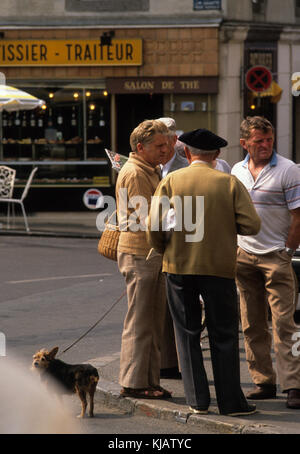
<point x="185" y="58"/>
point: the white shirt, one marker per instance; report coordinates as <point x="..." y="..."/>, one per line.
<point x="275" y="191"/>
<point x="166" y="167"/>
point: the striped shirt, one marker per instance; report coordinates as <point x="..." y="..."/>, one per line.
<point x="275" y="191"/>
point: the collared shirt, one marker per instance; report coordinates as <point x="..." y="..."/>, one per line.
<point x="197" y="161"/>
<point x="275" y="191"/>
<point x="166" y="167"/>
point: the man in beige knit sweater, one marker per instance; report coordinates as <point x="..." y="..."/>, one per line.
<point x="199" y="258"/>
<point x="143" y="325"/>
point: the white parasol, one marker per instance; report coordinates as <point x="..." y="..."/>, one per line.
<point x="12" y="99"/>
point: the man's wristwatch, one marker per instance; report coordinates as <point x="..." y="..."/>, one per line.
<point x="289" y="251"/>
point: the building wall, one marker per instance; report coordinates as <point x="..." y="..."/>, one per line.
<point x="230" y="97"/>
<point x="177" y="41"/>
<point x="290" y="63"/>
<point x="101" y="11"/>
<point x="271" y="11"/>
<point x="166" y="52"/>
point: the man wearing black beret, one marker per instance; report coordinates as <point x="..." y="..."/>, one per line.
<point x="199" y="258"/>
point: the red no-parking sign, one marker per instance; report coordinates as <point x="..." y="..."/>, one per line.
<point x="258" y="78"/>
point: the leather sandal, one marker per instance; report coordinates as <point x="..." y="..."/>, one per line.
<point x="166" y="393"/>
<point x="143" y="393"/>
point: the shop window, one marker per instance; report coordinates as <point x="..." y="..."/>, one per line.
<point x="207" y="4"/>
<point x="258" y="6"/>
<point x="72" y="131"/>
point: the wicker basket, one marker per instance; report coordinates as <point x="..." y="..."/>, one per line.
<point x="108" y="243"/>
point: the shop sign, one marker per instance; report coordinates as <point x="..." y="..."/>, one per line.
<point x="207" y="4"/>
<point x="93" y="199"/>
<point x="259" y="58"/>
<point x="162" y="85"/>
<point x="70" y="52"/>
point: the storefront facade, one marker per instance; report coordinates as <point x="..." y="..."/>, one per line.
<point x="98" y="84"/>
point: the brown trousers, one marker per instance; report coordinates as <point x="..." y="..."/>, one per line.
<point x="143" y="325"/>
<point x="268" y="280"/>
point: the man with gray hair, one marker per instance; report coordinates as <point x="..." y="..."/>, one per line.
<point x="218" y="205"/>
<point x="171" y="160"/>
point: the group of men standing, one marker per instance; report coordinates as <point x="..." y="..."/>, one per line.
<point x="225" y="228"/>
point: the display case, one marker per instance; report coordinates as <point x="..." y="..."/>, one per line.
<point x="66" y="139"/>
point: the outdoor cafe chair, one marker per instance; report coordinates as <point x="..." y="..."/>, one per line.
<point x="6" y="197"/>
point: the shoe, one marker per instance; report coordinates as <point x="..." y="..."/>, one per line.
<point x="156" y="392"/>
<point x="249" y="410"/>
<point x="293" y="399"/>
<point x="262" y="392"/>
<point x="171" y="373"/>
<point x="198" y="411"/>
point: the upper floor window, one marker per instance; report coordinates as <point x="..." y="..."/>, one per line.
<point x="297" y="8"/>
<point x="207" y="4"/>
<point x="258" y="6"/>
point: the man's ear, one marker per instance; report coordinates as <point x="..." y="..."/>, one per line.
<point x="187" y="154"/>
<point x="216" y="154"/>
<point x="243" y="143"/>
<point x="139" y="147"/>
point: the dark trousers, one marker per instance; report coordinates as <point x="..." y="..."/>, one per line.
<point x="221" y="314"/>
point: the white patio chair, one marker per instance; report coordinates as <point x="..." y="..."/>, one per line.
<point x="11" y="201"/>
<point x="7" y="180"/>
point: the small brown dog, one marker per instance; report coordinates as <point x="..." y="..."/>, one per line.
<point x="72" y="378"/>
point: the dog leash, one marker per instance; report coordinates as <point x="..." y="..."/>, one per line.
<point x="95" y="324"/>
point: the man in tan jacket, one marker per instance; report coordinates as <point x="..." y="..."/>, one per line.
<point x="143" y="325"/>
<point x="199" y="258"/>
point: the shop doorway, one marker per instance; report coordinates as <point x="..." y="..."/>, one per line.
<point x="132" y="110"/>
<point x="261" y="106"/>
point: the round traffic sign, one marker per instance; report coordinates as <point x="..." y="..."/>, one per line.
<point x="93" y="199"/>
<point x="258" y="78"/>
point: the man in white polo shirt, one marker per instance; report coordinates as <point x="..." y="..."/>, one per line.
<point x="264" y="270"/>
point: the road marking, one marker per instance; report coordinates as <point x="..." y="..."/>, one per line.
<point x="58" y="278"/>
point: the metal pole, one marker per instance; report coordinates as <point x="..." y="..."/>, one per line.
<point x="1" y="137"/>
<point x="84" y="126"/>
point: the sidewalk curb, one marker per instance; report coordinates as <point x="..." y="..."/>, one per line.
<point x="108" y="394"/>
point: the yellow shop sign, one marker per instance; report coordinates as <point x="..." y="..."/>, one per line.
<point x="70" y="52"/>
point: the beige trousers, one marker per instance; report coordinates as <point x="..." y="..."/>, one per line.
<point x="144" y="321"/>
<point x="268" y="280"/>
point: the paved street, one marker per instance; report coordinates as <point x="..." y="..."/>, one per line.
<point x="52" y="290"/>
